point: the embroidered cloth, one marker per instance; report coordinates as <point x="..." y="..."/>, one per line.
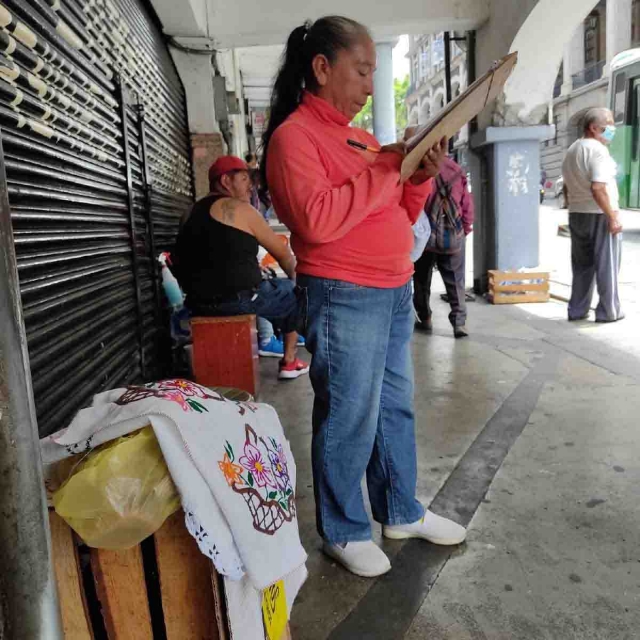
<point x="229" y="460"/>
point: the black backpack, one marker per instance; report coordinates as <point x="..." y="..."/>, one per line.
<point x="447" y="231"/>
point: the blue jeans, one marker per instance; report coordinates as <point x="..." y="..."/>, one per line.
<point x="265" y="331"/>
<point x="363" y="419"/>
<point x="275" y="300"/>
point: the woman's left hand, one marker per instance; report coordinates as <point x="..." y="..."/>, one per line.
<point x="430" y="165"/>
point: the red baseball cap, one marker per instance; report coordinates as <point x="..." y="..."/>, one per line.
<point x="226" y="164"/>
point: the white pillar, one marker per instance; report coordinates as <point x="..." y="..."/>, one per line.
<point x="384" y="107"/>
<point x="577" y="49"/>
<point x="567" y="66"/>
<point x="573" y="59"/>
<point x="196" y="73"/>
<point x="618" y="28"/>
<point x="207" y="143"/>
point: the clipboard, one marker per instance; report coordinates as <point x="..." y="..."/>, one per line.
<point x="457" y="113"/>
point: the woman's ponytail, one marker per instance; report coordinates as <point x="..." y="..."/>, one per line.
<point x="287" y="89"/>
<point x="326" y="36"/>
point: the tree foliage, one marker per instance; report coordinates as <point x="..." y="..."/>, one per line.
<point x="400" y="90"/>
<point x="364" y="120"/>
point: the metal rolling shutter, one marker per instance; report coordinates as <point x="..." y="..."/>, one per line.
<point x="96" y="156"/>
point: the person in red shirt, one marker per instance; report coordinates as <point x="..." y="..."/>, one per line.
<point x="350" y="220"/>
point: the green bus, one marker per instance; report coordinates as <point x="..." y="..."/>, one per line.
<point x="624" y="97"/>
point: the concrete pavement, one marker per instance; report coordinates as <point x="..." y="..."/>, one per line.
<point x="527" y="432"/>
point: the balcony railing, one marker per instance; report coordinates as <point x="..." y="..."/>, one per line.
<point x="589" y="74"/>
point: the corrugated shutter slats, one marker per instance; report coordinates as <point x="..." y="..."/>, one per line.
<point x="69" y="70"/>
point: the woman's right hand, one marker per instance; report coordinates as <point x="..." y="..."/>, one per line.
<point x="397" y="147"/>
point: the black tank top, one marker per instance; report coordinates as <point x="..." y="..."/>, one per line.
<point x="213" y="259"/>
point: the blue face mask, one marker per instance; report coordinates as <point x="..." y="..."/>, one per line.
<point x="609" y="133"/>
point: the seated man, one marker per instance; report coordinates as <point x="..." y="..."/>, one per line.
<point x="217" y="265"/>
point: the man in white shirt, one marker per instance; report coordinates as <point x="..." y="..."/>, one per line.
<point x="591" y="191"/>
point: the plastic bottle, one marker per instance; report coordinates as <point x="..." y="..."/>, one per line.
<point x="169" y="283"/>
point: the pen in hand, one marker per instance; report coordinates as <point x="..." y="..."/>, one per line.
<point x="360" y="145"/>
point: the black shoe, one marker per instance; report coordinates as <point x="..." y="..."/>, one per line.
<point x="460" y="332"/>
<point x="424" y="324"/>
<point x="468" y="296"/>
<point x="608" y="321"/>
<point x="582" y="317"/>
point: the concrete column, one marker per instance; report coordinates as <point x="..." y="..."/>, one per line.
<point x="507" y="232"/>
<point x="384" y="107"/>
<point x="573" y="59"/>
<point x="206" y="148"/>
<point x="577" y="49"/>
<point x="618" y="28"/>
<point x="567" y="66"/>
<point x="240" y="120"/>
<point x="207" y="142"/>
<point x="28" y="599"/>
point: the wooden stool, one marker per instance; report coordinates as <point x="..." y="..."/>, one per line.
<point x="225" y="352"/>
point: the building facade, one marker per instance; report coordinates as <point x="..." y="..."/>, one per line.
<point x="427" y="92"/>
<point x="611" y="27"/>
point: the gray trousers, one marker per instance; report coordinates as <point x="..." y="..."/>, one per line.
<point x="595" y="259"/>
<point x="452" y="269"/>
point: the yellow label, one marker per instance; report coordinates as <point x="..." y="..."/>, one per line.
<point x="274" y="610"/>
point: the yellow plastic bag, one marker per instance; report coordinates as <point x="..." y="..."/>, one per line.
<point x="120" y="493"/>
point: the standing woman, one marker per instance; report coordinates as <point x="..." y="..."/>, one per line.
<point x="350" y="221"/>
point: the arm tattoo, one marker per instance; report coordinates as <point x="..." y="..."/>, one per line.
<point x="229" y="211"/>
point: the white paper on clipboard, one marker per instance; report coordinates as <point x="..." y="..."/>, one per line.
<point x="457" y="113"/>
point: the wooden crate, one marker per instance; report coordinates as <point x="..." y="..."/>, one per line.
<point x="522" y="287"/>
<point x="191" y="600"/>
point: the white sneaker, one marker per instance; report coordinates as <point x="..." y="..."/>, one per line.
<point x="365" y="559"/>
<point x="432" y="527"/>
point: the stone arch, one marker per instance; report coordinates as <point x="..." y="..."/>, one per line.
<point x="438" y="100"/>
<point x="458" y="78"/>
<point x="517" y="26"/>
<point x="413" y="116"/>
<point x="425" y="111"/>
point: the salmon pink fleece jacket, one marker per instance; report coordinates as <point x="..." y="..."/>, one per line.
<point x="349" y="216"/>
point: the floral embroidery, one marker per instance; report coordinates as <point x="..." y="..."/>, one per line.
<point x="279" y="466"/>
<point x="243" y="406"/>
<point x="231" y="471"/>
<point x="252" y="461"/>
<point x="183" y="392"/>
<point x="263" y="481"/>
<point x="176" y="396"/>
<point x="189" y="389"/>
